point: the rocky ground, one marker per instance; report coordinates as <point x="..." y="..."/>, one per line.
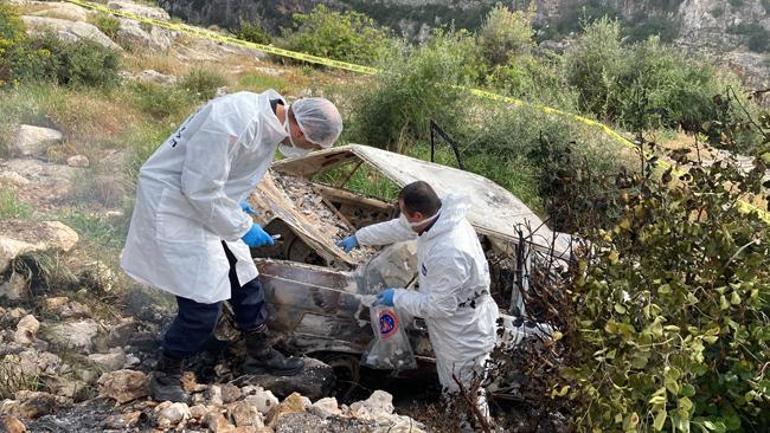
<point x="77" y="339"/>
<point x="75" y="352"/>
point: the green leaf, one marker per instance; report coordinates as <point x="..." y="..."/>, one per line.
<point x="723" y="305"/>
<point x="735" y="299"/>
<point x="660" y="420"/>
<point x="620" y="309"/>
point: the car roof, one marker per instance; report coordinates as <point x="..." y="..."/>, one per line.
<point x="494" y="210"/>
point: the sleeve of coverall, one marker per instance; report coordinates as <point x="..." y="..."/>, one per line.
<point x="385" y="233"/>
<point x="208" y="157"/>
<point x="440" y="297"/>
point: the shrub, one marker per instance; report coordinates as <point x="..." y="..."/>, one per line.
<point x="348" y="36"/>
<point x="757" y="36"/>
<point x="549" y="148"/>
<point x="202" y="84"/>
<point x="505" y="33"/>
<point x="670" y="324"/>
<point x="79" y="63"/>
<point x="534" y="79"/>
<point x="107" y="24"/>
<point x="736" y="3"/>
<point x="411" y="88"/>
<point x="766" y="5"/>
<point x="253" y="32"/>
<point x="162" y="102"/>
<point x="594" y="65"/>
<point x="665" y="28"/>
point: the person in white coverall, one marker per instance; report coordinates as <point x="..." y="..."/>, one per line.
<point x="453" y="294"/>
<point x="190" y="232"/>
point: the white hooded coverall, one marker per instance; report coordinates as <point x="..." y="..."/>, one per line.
<point x="188" y="195"/>
<point x="453" y="295"/>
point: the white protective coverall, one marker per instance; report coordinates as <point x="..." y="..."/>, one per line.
<point x="188" y="195"/>
<point x="453" y="295"/>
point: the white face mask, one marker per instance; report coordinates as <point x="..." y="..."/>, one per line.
<point x="413" y="226"/>
<point x="290" y="151"/>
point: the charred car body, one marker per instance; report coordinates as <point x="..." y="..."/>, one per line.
<point x="313" y="289"/>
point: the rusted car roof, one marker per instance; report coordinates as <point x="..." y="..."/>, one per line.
<point x="494" y="211"/>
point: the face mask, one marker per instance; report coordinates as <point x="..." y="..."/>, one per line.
<point x="290" y="151"/>
<point x="413" y="226"/>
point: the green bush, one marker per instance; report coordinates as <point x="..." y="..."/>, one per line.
<point x="644" y="85"/>
<point x="594" y="64"/>
<point x="163" y="102"/>
<point x="48" y="58"/>
<point x="757" y="36"/>
<point x="202" y="84"/>
<point x="534" y="79"/>
<point x="108" y="24"/>
<point x="505" y="33"/>
<point x="253" y="32"/>
<point x="766" y="5"/>
<point x="664" y="27"/>
<point x="348" y="36"/>
<point x="414" y="86"/>
<point x="672" y="310"/>
<point x="736" y="3"/>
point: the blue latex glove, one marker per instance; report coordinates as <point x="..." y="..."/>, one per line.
<point x="348" y="243"/>
<point x="246" y="207"/>
<point x="386" y="297"/>
<point x="256" y="237"/>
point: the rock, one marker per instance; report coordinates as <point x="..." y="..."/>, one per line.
<point x="40" y="363"/>
<point x="13" y="425"/>
<point x="71" y="389"/>
<point x="15" y="288"/>
<point x="68" y="30"/>
<point x="326" y="407"/>
<point x="230" y="393"/>
<point x="315" y="381"/>
<point x="114" y="360"/>
<point x="18" y="238"/>
<point x="34" y="140"/>
<point x="152" y="76"/>
<point x="122" y="333"/>
<point x="55" y="303"/>
<point x="198" y="411"/>
<point x="78" y="161"/>
<point x="125" y="420"/>
<point x="134" y="35"/>
<point x="263" y="400"/>
<point x="295" y="403"/>
<point x="217" y="423"/>
<point x="26" y="330"/>
<point x="65" y="11"/>
<point x="152" y="12"/>
<point x="13" y="178"/>
<point x="378" y="407"/>
<point x="34" y="404"/>
<point x="245" y="414"/>
<point x="17" y="313"/>
<point x="173" y="414"/>
<point x="214" y="395"/>
<point x="124" y="385"/>
<point x="74" y="335"/>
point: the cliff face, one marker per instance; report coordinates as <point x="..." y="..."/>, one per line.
<point x="724" y="29"/>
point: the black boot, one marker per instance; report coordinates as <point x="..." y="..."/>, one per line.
<point x="165" y="384"/>
<point x="263" y="359"/>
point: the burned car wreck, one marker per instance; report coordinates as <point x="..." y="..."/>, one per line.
<point x="314" y="290"/>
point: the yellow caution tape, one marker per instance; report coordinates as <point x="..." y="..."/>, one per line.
<point x="744" y="206"/>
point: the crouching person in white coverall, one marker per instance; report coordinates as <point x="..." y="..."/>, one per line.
<point x="453" y="295"/>
<point x="190" y="232"/>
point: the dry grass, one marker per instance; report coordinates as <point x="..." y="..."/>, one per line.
<point x="163" y="63"/>
<point x="13" y="377"/>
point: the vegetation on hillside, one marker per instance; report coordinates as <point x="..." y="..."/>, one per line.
<point x="663" y="320"/>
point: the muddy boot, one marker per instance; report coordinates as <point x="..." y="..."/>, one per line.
<point x="165" y="384"/>
<point x="263" y="359"/>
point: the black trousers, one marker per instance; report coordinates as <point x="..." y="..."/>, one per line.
<point x="195" y="322"/>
